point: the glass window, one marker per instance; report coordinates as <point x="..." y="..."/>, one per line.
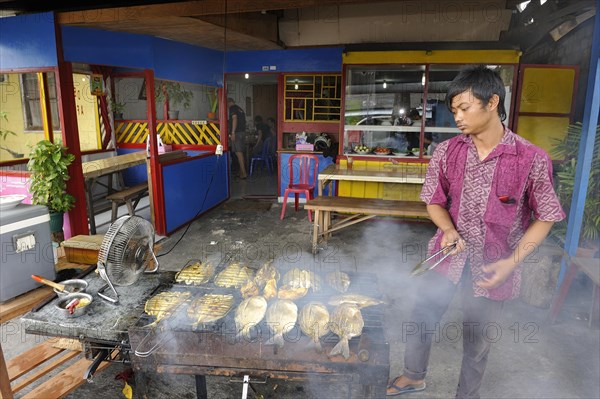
<point x="379" y="100"/>
<point x="32" y="108"/>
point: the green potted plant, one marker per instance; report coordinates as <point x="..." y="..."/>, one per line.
<point x="48" y="166"/>
<point x="567" y="149"/>
<point x="176" y="94"/>
<point x="117" y="108"/>
<point x="213" y="99"/>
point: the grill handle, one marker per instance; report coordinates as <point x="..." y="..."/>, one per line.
<point x="146" y="341"/>
<point x="102" y="355"/>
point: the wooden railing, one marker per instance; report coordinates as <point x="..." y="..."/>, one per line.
<point x="171" y="132"/>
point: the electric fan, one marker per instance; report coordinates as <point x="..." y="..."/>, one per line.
<point x="124" y="254"/>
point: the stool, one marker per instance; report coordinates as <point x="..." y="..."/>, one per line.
<point x="125" y="196"/>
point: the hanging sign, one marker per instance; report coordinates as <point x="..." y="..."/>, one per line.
<point x="97" y="85"/>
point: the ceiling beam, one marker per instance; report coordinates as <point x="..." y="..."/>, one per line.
<point x="189" y="9"/>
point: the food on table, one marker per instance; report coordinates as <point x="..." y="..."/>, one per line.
<point x="338" y="280"/>
<point x="195" y="274"/>
<point x="281" y="317"/>
<point x="314" y="322"/>
<point x="287" y="292"/>
<point x="270" y="290"/>
<point x="266" y="273"/>
<point x="234" y="275"/>
<point x="346" y="322"/>
<point x="248" y="314"/>
<point x="382" y="150"/>
<point x="83" y="302"/>
<point x="163" y="304"/>
<point x="209" y="308"/>
<point x="362" y="148"/>
<point x="301" y="278"/>
<point x="362" y="301"/>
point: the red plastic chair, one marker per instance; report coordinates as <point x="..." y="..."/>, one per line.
<point x="306" y="181"/>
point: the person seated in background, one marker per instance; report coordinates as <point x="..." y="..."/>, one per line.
<point x="263" y="132"/>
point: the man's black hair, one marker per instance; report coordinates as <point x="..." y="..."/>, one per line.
<point x="482" y="82"/>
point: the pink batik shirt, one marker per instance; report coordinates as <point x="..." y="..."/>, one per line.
<point x="491" y="203"/>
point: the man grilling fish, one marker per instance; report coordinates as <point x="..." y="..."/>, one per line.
<point x="482" y="190"/>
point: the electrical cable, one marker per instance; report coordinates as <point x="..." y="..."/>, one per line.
<point x="199" y="211"/>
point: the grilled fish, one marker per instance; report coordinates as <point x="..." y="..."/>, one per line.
<point x="249" y="313"/>
<point x="339" y="281"/>
<point x="281" y="317"/>
<point x="270" y="290"/>
<point x="266" y="273"/>
<point x="249" y="289"/>
<point x="234" y="275"/>
<point x="163" y="304"/>
<point x="314" y="322"/>
<point x="287" y="292"/>
<point x="209" y="308"/>
<point x="301" y="278"/>
<point x="361" y="301"/>
<point x="196" y="273"/>
<point x="346" y="323"/>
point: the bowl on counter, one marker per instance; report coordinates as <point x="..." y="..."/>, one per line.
<point x="382" y="151"/>
<point x="84" y="300"/>
<point x="77" y="286"/>
<point x="362" y="152"/>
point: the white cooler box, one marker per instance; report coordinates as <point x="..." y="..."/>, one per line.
<point x="26" y="249"/>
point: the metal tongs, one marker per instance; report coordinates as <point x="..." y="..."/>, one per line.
<point x="422" y="267"/>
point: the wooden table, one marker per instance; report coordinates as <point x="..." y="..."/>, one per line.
<point x="92" y="170"/>
<point x="400" y="174"/>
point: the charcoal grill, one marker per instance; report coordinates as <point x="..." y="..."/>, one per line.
<point x="213" y="349"/>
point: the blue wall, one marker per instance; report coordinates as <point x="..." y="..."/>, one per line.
<point x="28" y="41"/>
<point x="193" y="187"/>
<point x="100" y="47"/>
<point x="170" y="60"/>
<point x="136" y="174"/>
<point x="303" y="60"/>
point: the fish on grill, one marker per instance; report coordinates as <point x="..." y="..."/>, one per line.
<point x="234" y="275"/>
<point x="195" y="274"/>
<point x="361" y="301"/>
<point x="301" y="278"/>
<point x="314" y="322"/>
<point x="338" y="280"/>
<point x="281" y="317"/>
<point x="163" y="304"/>
<point x="346" y="322"/>
<point x="249" y="289"/>
<point x="248" y="314"/>
<point x="287" y="292"/>
<point x="270" y="290"/>
<point x="209" y="308"/>
<point x="266" y="272"/>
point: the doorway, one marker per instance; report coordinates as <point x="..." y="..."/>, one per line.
<point x="256" y="94"/>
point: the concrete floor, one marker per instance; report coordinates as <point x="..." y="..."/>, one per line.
<point x="531" y="359"/>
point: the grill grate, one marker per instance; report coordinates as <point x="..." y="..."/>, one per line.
<point x="361" y="283"/>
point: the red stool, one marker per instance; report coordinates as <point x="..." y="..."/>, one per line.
<point x="306" y="181"/>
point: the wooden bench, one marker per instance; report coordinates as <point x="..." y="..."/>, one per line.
<point x="126" y="196"/>
<point x="30" y="366"/>
<point x="361" y="209"/>
<point x="42" y="359"/>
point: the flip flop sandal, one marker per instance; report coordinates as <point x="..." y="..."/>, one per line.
<point x="403" y="390"/>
